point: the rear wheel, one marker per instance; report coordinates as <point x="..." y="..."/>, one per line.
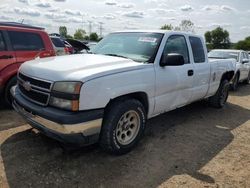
<point x="7" y="95"/>
<point x="220" y="97"/>
<point x="123" y="126"/>
<point x="247" y="81"/>
<point x="235" y="83"/>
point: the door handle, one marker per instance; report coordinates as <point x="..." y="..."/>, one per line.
<point x="190" y="72"/>
<point x="6" y="57"/>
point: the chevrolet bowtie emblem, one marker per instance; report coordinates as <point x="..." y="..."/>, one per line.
<point x="27" y="86"/>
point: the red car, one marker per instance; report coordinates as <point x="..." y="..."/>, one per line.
<point x="19" y="43"/>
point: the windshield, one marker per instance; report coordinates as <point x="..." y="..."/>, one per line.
<point x="224" y="55"/>
<point x="140" y="47"/>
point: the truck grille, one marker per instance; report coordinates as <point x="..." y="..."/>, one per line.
<point x="34" y="89"/>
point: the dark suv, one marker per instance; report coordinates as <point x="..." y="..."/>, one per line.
<point x="19" y="43"/>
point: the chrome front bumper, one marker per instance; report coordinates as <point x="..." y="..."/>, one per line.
<point x="67" y="132"/>
<point x="86" y="128"/>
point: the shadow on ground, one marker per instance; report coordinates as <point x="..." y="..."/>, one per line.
<point x="178" y="142"/>
<point x="243" y="90"/>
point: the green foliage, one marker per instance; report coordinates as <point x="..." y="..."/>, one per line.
<point x="167" y="27"/>
<point x="243" y="44"/>
<point x="185" y="25"/>
<point x="69" y="37"/>
<point x="79" y="34"/>
<point x="218" y="38"/>
<point x="208" y="37"/>
<point x="63" y="31"/>
<point x="86" y="37"/>
<point x="93" y="37"/>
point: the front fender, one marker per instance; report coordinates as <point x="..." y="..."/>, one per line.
<point x="98" y="92"/>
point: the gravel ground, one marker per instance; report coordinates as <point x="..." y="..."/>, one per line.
<point x="195" y="146"/>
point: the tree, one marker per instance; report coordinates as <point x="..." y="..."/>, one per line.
<point x="69" y="37"/>
<point x="63" y="31"/>
<point x="208" y="37"/>
<point x="79" y="34"/>
<point x="218" y="38"/>
<point x="243" y="44"/>
<point x="167" y="27"/>
<point x="93" y="37"/>
<point x="187" y="26"/>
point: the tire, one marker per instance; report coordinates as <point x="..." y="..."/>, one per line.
<point x="247" y="81"/>
<point x="235" y="83"/>
<point x="123" y="126"/>
<point x="7" y="95"/>
<point x="220" y="98"/>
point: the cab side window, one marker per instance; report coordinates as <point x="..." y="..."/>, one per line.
<point x="246" y="55"/>
<point x="177" y="44"/>
<point x="2" y="43"/>
<point x="241" y="57"/>
<point x="197" y="49"/>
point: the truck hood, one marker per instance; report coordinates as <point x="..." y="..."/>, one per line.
<point x="82" y="67"/>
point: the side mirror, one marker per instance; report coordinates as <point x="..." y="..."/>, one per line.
<point x="172" y="60"/>
<point x="245" y="61"/>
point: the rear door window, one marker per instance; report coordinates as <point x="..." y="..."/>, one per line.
<point x="58" y="42"/>
<point x="25" y="41"/>
<point x="197" y="49"/>
<point x="2" y="42"/>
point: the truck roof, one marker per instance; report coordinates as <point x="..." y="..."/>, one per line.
<point x="157" y="31"/>
<point x="227" y="50"/>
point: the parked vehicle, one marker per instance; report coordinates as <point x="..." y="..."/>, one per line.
<point x="107" y="96"/>
<point x="69" y="47"/>
<point x="19" y="43"/>
<point x="91" y="45"/>
<point x="59" y="46"/>
<point x="77" y="45"/>
<point x="242" y="65"/>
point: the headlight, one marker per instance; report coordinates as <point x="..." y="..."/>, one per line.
<point x="68" y="87"/>
<point x="66" y="104"/>
<point x="65" y="95"/>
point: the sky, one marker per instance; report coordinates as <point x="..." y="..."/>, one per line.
<point x="113" y="15"/>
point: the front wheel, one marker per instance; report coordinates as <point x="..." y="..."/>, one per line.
<point x="220" y="97"/>
<point x="123" y="126"/>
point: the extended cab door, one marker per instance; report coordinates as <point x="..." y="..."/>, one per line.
<point x="174" y="83"/>
<point x="201" y="68"/>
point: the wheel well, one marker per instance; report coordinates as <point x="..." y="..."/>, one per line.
<point x="7" y="82"/>
<point x="228" y="76"/>
<point x="140" y="96"/>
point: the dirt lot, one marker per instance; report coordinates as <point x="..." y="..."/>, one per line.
<point x="196" y="146"/>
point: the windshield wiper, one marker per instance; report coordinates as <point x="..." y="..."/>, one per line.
<point x="116" y="55"/>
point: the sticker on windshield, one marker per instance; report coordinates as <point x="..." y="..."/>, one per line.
<point x="147" y="39"/>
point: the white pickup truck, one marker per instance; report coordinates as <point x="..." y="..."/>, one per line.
<point x="242" y="64"/>
<point x="107" y="96"/>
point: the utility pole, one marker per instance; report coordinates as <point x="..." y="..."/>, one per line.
<point x="101" y="28"/>
<point x="82" y="23"/>
<point x="90" y="27"/>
